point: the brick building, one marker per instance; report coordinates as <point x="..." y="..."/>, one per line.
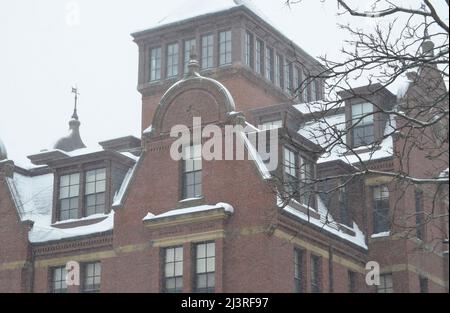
<point x="138" y="221"/>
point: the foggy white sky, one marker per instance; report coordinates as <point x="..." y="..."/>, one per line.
<point x="42" y="56"/>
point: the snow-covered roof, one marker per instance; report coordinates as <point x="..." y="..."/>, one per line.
<point x="330" y="132"/>
<point x="33" y="197"/>
<point x="196" y="8"/>
<point x="327" y="223"/>
<point x="119" y="196"/>
<point x="196" y="209"/>
<point x="318" y="106"/>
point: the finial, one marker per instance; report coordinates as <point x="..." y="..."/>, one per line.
<point x="193" y="64"/>
<point x="427" y="44"/>
<point x="75" y="91"/>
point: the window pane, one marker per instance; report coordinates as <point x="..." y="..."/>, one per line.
<point x="74" y="190"/>
<point x="211" y="249"/>
<point x="100" y="186"/>
<point x="75" y="179"/>
<point x="90" y="200"/>
<point x="201" y="265"/>
<point x="210" y="265"/>
<point x="101" y="174"/>
<point x="211" y="280"/>
<point x="90" y="188"/>
<point x="90" y="176"/>
<point x="170" y="255"/>
<point x="179" y="254"/>
<point x="178" y="268"/>
<point x="201" y="280"/>
<point x="170" y="270"/>
<point x="64" y="192"/>
<point x="64" y="180"/>
<point x="201" y="251"/>
<point x="100" y="198"/>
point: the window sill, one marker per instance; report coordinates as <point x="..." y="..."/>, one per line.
<point x="91" y="219"/>
<point x="185" y="203"/>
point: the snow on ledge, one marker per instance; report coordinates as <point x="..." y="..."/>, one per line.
<point x="44" y="233"/>
<point x="358" y="239"/>
<point x="86" y="218"/>
<point x="202" y="208"/>
<point x="382" y="234"/>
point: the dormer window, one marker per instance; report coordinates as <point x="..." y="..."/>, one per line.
<point x="69" y="190"/>
<point x="290" y="170"/>
<point x="362" y="124"/>
<point x="307" y="175"/>
<point x="313" y="90"/>
<point x="91" y="188"/>
<point x="95" y="191"/>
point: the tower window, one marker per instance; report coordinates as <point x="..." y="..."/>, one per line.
<point x="207" y="51"/>
<point x="172" y="60"/>
<point x="225" y="48"/>
<point x="297" y="79"/>
<point x="269" y="64"/>
<point x="259" y="66"/>
<point x="249" y="50"/>
<point x="188" y="45"/>
<point x="279" y="67"/>
<point x="288" y="74"/>
<point x="155" y="64"/>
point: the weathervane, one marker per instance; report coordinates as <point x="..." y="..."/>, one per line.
<point x="424" y="9"/>
<point x="75" y="91"/>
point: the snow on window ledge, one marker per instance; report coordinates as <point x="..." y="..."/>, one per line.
<point x="179" y="212"/>
<point x="380" y="235"/>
